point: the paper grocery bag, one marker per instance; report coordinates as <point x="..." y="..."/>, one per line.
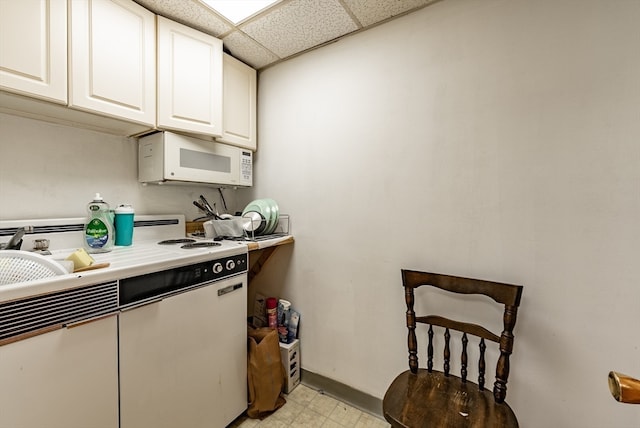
<point x="266" y="376"/>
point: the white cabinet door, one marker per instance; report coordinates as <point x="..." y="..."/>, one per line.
<point x="239" y="104"/>
<point x="113" y="59"/>
<point x="33" y="48"/>
<point x="183" y="360"/>
<point x="67" y="378"/>
<point x="189" y="79"/>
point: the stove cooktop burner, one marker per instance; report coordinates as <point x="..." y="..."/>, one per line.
<point x="201" y="244"/>
<point x="176" y="241"/>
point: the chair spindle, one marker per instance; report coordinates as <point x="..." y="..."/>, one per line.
<point x="481" y="365"/>
<point x="447" y="351"/>
<point x="463" y="358"/>
<point x="411" y="327"/>
<point x="430" y="350"/>
<point x="506" y="347"/>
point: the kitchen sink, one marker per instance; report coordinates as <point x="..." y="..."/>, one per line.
<point x="21" y="266"/>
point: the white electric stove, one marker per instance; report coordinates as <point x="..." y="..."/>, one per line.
<point x="159" y="335"/>
<point x="145" y="256"/>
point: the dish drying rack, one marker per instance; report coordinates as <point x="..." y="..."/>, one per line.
<point x="233" y="229"/>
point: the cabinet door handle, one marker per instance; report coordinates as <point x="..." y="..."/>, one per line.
<point x="29" y="334"/>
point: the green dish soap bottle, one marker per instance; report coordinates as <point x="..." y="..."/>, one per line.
<point x="98" y="232"/>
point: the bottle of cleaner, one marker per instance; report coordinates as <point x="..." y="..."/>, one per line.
<point x="98" y="232"/>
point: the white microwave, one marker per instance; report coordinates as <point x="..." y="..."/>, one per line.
<point x="165" y="157"/>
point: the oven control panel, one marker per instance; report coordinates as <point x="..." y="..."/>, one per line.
<point x="147" y="287"/>
<point x="224" y="267"/>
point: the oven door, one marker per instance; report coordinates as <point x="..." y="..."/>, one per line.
<point x="183" y="359"/>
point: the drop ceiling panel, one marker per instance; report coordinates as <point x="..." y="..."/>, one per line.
<point x="248" y="50"/>
<point x="286" y="28"/>
<point x="191" y="13"/>
<point x="300" y="25"/>
<point x="370" y="12"/>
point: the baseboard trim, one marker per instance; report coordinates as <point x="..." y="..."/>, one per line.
<point x="358" y="399"/>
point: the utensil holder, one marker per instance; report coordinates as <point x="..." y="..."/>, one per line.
<point x="231" y="227"/>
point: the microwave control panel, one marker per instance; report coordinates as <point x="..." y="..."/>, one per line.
<point x="246" y="168"/>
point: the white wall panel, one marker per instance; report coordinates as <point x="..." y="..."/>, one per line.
<point x="491" y="139"/>
<point x="51" y="171"/>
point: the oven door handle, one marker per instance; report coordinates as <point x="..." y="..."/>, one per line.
<point x="141" y="305"/>
<point x="229" y="288"/>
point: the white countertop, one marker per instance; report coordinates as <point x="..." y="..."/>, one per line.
<point x="144" y="256"/>
<point x="138" y="259"/>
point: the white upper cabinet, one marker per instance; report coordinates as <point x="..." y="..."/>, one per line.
<point x="94" y="64"/>
<point x="239" y="109"/>
<point x="33" y="48"/>
<point x="113" y="59"/>
<point x="189" y="79"/>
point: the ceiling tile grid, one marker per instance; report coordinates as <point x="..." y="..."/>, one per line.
<point x="371" y="12"/>
<point x="300" y="25"/>
<point x="248" y="50"/>
<point x="191" y="13"/>
<point x="286" y="28"/>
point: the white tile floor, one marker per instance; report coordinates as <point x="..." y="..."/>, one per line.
<point x="308" y="408"/>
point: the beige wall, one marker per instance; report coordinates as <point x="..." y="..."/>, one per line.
<point x="494" y="139"/>
<point x="53" y="171"/>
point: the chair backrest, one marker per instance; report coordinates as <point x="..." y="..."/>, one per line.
<point x="505" y="294"/>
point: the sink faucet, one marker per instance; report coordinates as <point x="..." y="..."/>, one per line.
<point x="16" y="240"/>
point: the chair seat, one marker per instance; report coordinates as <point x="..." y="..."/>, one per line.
<point x="434" y="400"/>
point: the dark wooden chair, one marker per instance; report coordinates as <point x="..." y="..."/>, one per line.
<point x="424" y="397"/>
